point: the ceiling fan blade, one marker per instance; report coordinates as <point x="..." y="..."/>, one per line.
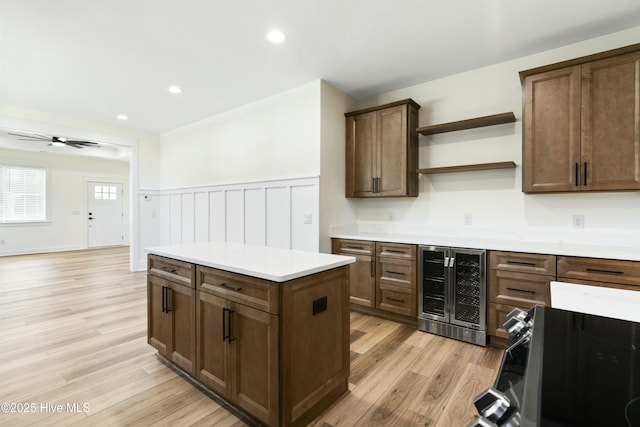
<point x="37" y="137"/>
<point x="87" y="143"/>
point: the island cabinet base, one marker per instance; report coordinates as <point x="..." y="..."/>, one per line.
<point x="278" y="351"/>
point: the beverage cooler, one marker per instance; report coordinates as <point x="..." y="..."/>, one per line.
<point x="452" y="293"/>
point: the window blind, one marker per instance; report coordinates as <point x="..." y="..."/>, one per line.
<point x="23" y="194"/>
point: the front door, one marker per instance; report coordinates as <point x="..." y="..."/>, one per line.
<point x="105" y="215"/>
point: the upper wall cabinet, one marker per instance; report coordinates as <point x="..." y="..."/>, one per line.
<point x="581" y="124"/>
<point x="382" y="151"/>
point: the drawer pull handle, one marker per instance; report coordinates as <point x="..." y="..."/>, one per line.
<point x="597" y="270"/>
<point x="528" y="264"/>
<point x="360" y="248"/>
<point x="395" y="300"/>
<point x="169" y="270"/>
<point x="224" y="285"/>
<point x="396" y="272"/>
<point x="521" y="290"/>
<point x="395" y="251"/>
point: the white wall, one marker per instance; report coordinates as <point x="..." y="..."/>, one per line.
<point x="274" y="138"/>
<point x="335" y="210"/>
<point x="248" y="175"/>
<point x="494" y="198"/>
<point x="67" y="226"/>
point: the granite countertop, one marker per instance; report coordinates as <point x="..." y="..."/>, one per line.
<point x="591" y="245"/>
<point x="275" y="264"/>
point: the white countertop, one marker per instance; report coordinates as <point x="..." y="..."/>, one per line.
<point x="591" y="245"/>
<point x="275" y="264"/>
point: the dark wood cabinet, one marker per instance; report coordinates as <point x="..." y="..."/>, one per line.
<point x="362" y="286"/>
<point x="238" y="354"/>
<point x="382" y="151"/>
<point x="581" y="124"/>
<point x="383" y="278"/>
<point x="396" y="278"/>
<point x="170" y="311"/>
<point x="600" y="272"/>
<point x="516" y="280"/>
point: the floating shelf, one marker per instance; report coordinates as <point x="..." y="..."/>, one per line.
<point x="464" y="168"/>
<point x="495" y="119"/>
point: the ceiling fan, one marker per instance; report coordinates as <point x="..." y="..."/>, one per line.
<point x="58" y="141"/>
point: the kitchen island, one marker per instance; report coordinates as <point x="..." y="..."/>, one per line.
<point x="265" y="329"/>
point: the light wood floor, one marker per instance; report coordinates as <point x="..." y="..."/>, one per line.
<point x="73" y="332"/>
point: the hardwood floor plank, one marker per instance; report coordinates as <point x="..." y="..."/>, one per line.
<point x="73" y="330"/>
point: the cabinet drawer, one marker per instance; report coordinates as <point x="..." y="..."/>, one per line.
<point x="171" y="269"/>
<point x="396" y="299"/>
<point x="396" y="250"/>
<point x="519" y="289"/>
<point x="523" y="263"/>
<point x="599" y="270"/>
<point x="260" y="294"/>
<point x="397" y="272"/>
<point x="352" y="247"/>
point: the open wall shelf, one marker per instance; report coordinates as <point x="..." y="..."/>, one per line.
<point x="495" y="119"/>
<point x="464" y="168"/>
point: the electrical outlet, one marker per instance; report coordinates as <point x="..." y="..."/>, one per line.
<point x="578" y="221"/>
<point x="307" y="218"/>
<point x="389" y="216"/>
<point x="467" y="219"/>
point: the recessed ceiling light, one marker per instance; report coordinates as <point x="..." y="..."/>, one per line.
<point x="122" y="117"/>
<point x="276" y="36"/>
<point x="175" y="89"/>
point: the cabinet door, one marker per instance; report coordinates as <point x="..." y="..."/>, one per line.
<point x="551" y="131"/>
<point x="181" y="311"/>
<point x="611" y="123"/>
<point x="361" y="155"/>
<point x="213" y="366"/>
<point x="391" y="151"/>
<point x="254" y="364"/>
<point x="362" y="285"/>
<point x="158" y="323"/>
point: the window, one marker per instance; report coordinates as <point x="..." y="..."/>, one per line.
<point x="23" y="194"/>
<point x="105" y="192"/>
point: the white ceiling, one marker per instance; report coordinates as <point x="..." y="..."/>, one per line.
<point x="94" y="59"/>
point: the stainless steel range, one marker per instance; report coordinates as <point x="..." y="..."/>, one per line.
<point x="452" y="293"/>
<point x="565" y="369"/>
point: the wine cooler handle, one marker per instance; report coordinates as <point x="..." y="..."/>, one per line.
<point x="446" y="262"/>
<point x="451" y="261"/>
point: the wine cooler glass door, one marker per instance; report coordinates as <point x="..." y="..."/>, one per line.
<point x="434" y="297"/>
<point x="468" y="290"/>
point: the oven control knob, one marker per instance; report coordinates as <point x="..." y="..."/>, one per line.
<point x="516" y="321"/>
<point x="492" y="405"/>
<point x="481" y="422"/>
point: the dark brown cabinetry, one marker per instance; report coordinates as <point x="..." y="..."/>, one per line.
<point x="599" y="272"/>
<point x="396" y="278"/>
<point x="382" y="151"/>
<point x="363" y="272"/>
<point x="516" y="280"/>
<point x="278" y="351"/>
<point x="238" y="344"/>
<point x="170" y="310"/>
<point x="581" y="124"/>
<point x="383" y="278"/>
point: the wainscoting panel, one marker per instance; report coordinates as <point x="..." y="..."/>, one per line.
<point x="279" y="217"/>
<point x="283" y="214"/>
<point x="188" y="218"/>
<point x="201" y="217"/>
<point x="217" y="217"/>
<point x="255" y="232"/>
